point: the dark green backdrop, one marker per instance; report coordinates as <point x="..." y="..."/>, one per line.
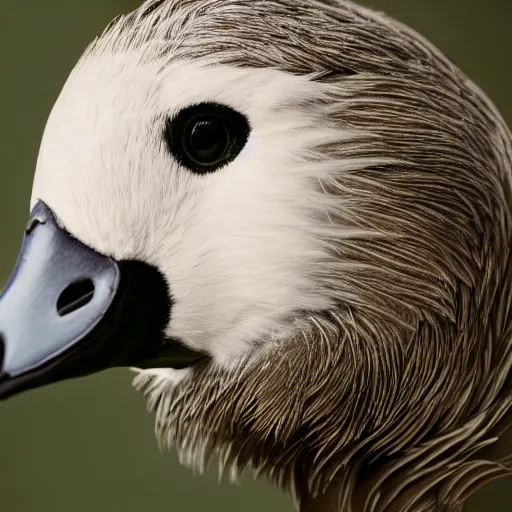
<point x="88" y="445"/>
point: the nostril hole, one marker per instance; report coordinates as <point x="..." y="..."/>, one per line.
<point x="75" y="296"/>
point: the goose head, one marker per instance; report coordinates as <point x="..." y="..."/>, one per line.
<point x="293" y="219"/>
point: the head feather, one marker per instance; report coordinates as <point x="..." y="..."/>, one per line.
<point x="402" y="377"/>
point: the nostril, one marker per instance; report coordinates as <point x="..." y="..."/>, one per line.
<point x="75" y="296"/>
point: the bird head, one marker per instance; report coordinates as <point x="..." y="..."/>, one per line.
<point x="293" y="219"/>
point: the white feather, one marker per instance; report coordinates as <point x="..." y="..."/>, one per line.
<point x="238" y="247"/>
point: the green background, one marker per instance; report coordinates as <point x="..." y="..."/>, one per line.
<point x="88" y="445"/>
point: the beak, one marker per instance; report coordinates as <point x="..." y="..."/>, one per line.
<point x="68" y="311"/>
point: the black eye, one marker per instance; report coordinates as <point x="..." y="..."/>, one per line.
<point x="207" y="136"/>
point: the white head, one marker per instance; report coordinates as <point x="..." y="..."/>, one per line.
<point x="339" y="269"/>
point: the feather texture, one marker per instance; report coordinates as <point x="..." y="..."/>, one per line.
<point x="385" y="360"/>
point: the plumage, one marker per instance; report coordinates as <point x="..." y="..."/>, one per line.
<point x="349" y="273"/>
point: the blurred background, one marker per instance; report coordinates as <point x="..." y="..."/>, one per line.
<point x="88" y="444"/>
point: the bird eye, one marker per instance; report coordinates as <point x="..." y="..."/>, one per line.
<point x="207" y="136"/>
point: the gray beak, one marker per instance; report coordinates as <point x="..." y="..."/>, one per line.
<point x="68" y="311"/>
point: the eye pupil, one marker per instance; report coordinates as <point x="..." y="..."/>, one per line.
<point x="208" y="141"/>
<point x="206" y="136"/>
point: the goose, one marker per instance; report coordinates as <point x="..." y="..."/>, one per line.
<point x="292" y="219"/>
